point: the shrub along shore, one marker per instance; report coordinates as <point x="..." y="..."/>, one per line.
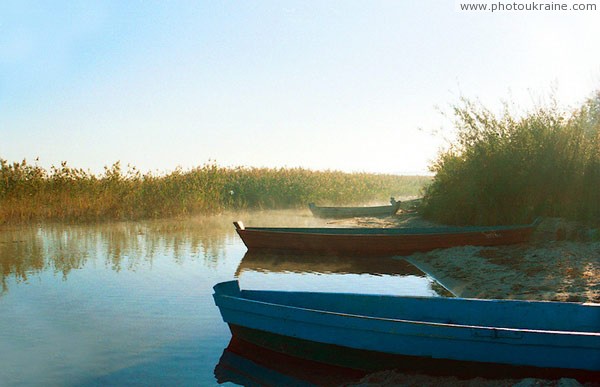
<point x="30" y="193"/>
<point x="507" y="169"/>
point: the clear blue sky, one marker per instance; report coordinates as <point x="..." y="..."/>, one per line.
<point x="347" y="85"/>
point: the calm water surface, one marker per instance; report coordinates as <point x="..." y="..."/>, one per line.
<point x="131" y="303"/>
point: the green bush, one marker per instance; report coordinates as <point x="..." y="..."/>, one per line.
<point x="504" y="170"/>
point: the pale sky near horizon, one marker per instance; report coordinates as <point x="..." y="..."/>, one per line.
<point x="344" y="85"/>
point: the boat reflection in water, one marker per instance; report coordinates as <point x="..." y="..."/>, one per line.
<point x="293" y="353"/>
<point x="247" y="364"/>
<point x="418" y="336"/>
<point x="385" y="275"/>
<point x="325" y="264"/>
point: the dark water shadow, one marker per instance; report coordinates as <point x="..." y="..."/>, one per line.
<point x="249" y="365"/>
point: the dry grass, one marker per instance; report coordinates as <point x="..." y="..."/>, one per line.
<point x="29" y="193"/>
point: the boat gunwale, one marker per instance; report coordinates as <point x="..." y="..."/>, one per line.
<point x="390" y="231"/>
<point x="417" y="322"/>
<point x="388" y="206"/>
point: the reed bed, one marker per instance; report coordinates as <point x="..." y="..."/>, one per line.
<point x="30" y="193"/>
<point x="504" y="169"/>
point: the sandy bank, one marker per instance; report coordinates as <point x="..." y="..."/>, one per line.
<point x="561" y="263"/>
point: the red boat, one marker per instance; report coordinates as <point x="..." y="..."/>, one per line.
<point x="379" y="241"/>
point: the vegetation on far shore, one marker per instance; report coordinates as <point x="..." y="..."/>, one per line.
<point x="504" y="169"/>
<point x="30" y="193"/>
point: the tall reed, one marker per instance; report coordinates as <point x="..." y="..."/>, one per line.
<point x="30" y="193"/>
<point x="504" y="169"/>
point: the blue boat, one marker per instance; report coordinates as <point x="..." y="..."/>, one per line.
<point x="374" y="332"/>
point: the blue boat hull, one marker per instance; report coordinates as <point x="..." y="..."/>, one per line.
<point x="550" y="334"/>
<point x="266" y="348"/>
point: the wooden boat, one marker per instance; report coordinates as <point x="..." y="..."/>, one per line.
<point x="378" y="241"/>
<point x="383" y="332"/>
<point x="352" y="212"/>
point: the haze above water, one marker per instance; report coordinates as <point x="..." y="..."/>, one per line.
<point x="122" y="303"/>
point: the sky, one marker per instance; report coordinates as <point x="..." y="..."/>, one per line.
<point x="356" y="86"/>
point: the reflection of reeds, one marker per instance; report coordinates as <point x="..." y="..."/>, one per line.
<point x="29" y="192"/>
<point x="19" y="257"/>
<point x="26" y="252"/>
<point x="510" y="170"/>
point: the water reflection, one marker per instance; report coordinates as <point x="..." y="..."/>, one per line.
<point x="29" y="251"/>
<point x="300" y="272"/>
<point x="294" y="263"/>
<point x="246" y="364"/>
<point x="249" y="365"/>
<point x="131" y="302"/>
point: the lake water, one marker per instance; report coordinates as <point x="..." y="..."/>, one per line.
<point x="130" y="303"/>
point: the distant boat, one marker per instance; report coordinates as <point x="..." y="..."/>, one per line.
<point x="371" y="332"/>
<point x="352" y="212"/>
<point x="378" y="241"/>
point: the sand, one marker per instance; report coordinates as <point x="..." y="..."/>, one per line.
<point x="393" y="378"/>
<point x="561" y="263"/>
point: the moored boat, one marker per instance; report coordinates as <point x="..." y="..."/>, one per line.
<point x="378" y="241"/>
<point x="377" y="331"/>
<point x="352" y="212"/>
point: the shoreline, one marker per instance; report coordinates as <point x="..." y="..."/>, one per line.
<point x="560" y="263"/>
<point x="548" y="269"/>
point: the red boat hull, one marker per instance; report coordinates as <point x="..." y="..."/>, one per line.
<point x="374" y="244"/>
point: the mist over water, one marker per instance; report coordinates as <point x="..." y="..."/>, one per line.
<point x="131" y="302"/>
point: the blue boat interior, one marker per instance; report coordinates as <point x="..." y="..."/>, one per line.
<point x="515" y="314"/>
